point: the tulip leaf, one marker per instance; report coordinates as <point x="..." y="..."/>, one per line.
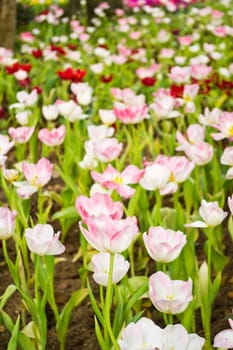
<point x="66" y="213"/>
<point x="12" y="345"/>
<point x="99" y="335"/>
<point x="8" y="293"/>
<point x="64" y="318"/>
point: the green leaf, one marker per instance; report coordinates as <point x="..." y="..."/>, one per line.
<point x="12" y="345"/>
<point x="94" y="304"/>
<point x="135" y="297"/>
<point x="66" y="213"/>
<point x="215" y="287"/>
<point x="99" y="335"/>
<point x="7" y="294"/>
<point x="64" y="318"/>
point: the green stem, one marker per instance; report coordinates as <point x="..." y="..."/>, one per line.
<point x="108" y="303"/>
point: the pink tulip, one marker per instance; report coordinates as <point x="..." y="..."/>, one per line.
<point x="98" y="204"/>
<point x="169" y="296"/>
<point x="164" y="107"/>
<point x="210" y="118"/>
<point x="200" y="71"/>
<point x="113" y="179"/>
<point x="41" y="240"/>
<point x="179" y="167"/>
<point x="164" y="245"/>
<point x="105" y="150"/>
<point x="101" y="264"/>
<point x="185" y="40"/>
<point x="195" y="133"/>
<point x="108" y="235"/>
<point x="227" y="159"/>
<point x="7" y="222"/>
<point x="224" y="339"/>
<point x="21" y="134"/>
<point x="155" y="177"/>
<point x="180" y="75"/>
<point x="143" y="335"/>
<point x="38" y="174"/>
<point x="225" y="126"/>
<point x="200" y="153"/>
<point x="6" y="145"/>
<point x="130" y="114"/>
<point x="175" y="335"/>
<point x="53" y="137"/>
<point x="99" y="132"/>
<point x="211" y="214"/>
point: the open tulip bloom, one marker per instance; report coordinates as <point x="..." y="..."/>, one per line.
<point x="169" y="296"/>
<point x="42" y="240"/>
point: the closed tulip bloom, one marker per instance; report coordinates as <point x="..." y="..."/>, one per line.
<point x="50" y="112"/>
<point x="97" y="205"/>
<point x="7" y="222"/>
<point x="164" y="245"/>
<point x="211" y="214"/>
<point x="108" y="235"/>
<point x="155" y="177"/>
<point x="101" y="266"/>
<point x="169" y="296"/>
<point x="143" y="335"/>
<point x="224" y="339"/>
<point x="53" y="137"/>
<point x="83" y="92"/>
<point x="41" y="240"/>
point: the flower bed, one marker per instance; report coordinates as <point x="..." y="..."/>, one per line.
<point x="116" y="168"/>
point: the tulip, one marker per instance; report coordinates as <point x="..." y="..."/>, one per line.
<point x="175" y="335"/>
<point x="211" y="214"/>
<point x="98" y="204"/>
<point x="164" y="245"/>
<point x="143" y="335"/>
<point x="169" y="296"/>
<point x="113" y="179"/>
<point x="53" y="137"/>
<point x="41" y="240"/>
<point x="21" y="134"/>
<point x="224" y="339"/>
<point x="83" y="93"/>
<point x="38" y="174"/>
<point x="7" y="222"/>
<point x="6" y="145"/>
<point x="155" y="177"/>
<point x="101" y="266"/>
<point x="50" y="112"/>
<point x="108" y="235"/>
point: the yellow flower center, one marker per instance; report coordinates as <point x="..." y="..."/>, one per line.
<point x="170" y="296"/>
<point x="230" y="131"/>
<point x="34" y="180"/>
<point x="118" y="179"/>
<point x="187" y="99"/>
<point x="172" y="178"/>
